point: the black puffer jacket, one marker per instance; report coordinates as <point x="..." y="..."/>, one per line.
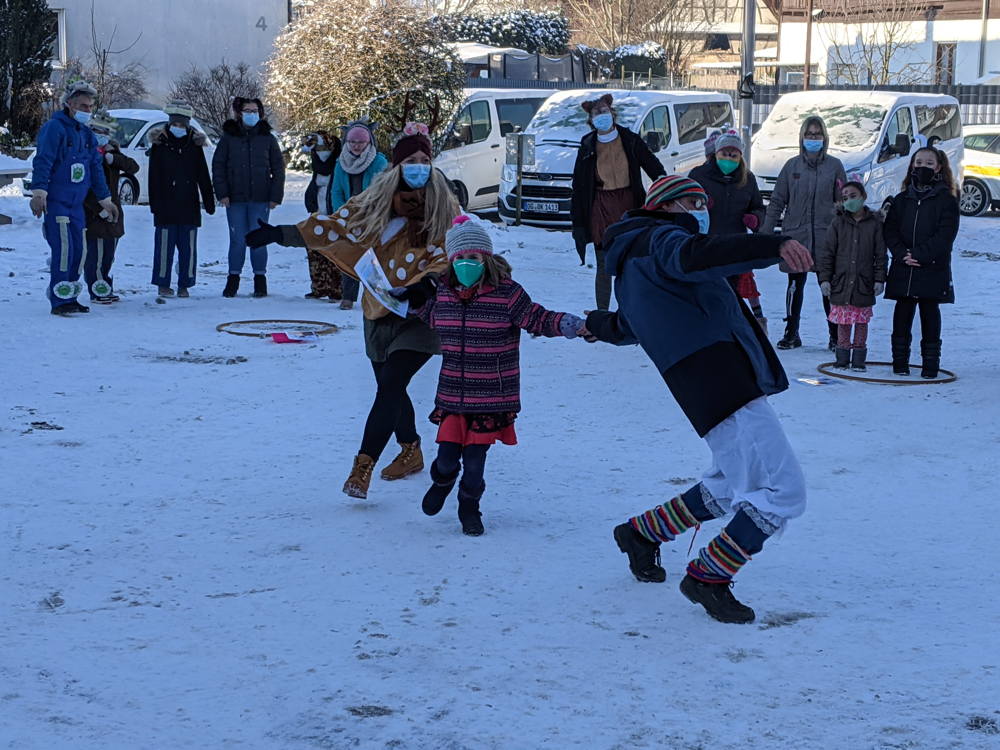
<point x="322" y="168"/>
<point x="727" y="200"/>
<point x="248" y="166"/>
<point x="640" y="159"/>
<point x="178" y="172"/>
<point x="924" y="225"/>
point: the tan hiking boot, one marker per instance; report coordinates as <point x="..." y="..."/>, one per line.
<point x="409" y="461"/>
<point x="361" y="476"/>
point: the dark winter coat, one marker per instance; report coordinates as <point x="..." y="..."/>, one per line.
<point x="96" y="226"/>
<point x="925" y="225"/>
<point x="675" y="302"/>
<point x="480" y="345"/>
<point x="248" y="166"/>
<point x="640" y="159"/>
<point x="728" y="201"/>
<point x="325" y="169"/>
<point x="852" y="258"/>
<point x="178" y="172"/>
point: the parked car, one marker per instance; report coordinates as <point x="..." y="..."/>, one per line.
<point x="474" y="150"/>
<point x="132" y="135"/>
<point x="981" y="181"/>
<point x="871" y="132"/>
<point x="674" y="124"/>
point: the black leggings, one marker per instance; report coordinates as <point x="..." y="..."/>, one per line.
<point x="602" y="282"/>
<point x="793" y="301"/>
<point x="392" y="410"/>
<point x="473" y="459"/>
<point x="930" y="318"/>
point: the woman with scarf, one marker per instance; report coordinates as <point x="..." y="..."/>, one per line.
<point x="402" y="217"/>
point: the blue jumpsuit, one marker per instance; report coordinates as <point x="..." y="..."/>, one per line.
<point x="67" y="164"/>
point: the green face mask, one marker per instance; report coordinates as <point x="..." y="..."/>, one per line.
<point x="728" y="166"/>
<point x="467" y="271"/>
<point x="853" y="205"/>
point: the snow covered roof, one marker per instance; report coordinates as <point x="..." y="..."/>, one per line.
<point x="474" y="53"/>
<point x="821" y="97"/>
<point x="496" y="93"/>
<point x="12" y="167"/>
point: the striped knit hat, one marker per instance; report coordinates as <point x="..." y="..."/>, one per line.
<point x="467" y="236"/>
<point x="671" y="187"/>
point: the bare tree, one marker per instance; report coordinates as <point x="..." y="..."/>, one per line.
<point x="115" y="85"/>
<point x="872" y="42"/>
<point x="210" y="92"/>
<point x="448" y="7"/>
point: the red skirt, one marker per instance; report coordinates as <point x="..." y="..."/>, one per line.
<point x="746" y="286"/>
<point x="475" y="429"/>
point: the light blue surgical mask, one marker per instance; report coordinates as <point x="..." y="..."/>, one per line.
<point x="416" y="175"/>
<point x="703" y="219"/>
<point x="82" y="117"/>
<point x="178" y="132"/>
<point x="250" y="119"/>
<point x="812" y="145"/>
<point x="103" y="140"/>
<point x="604" y="122"/>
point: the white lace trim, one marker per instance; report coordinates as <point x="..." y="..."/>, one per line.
<point x="769" y="523"/>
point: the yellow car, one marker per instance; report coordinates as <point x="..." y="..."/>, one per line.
<point x="981" y="182"/>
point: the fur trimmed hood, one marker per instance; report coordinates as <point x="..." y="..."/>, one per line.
<point x="159" y="135"/>
<point x="235" y="128"/>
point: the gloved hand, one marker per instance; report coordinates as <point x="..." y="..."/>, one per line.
<point x="109" y="157"/>
<point x="879" y="288"/>
<point x="825" y="288"/>
<point x="417" y="294"/>
<point x="39" y="202"/>
<point x="108" y="205"/>
<point x="265" y="235"/>
<point x="570" y="326"/>
<point x="751" y="222"/>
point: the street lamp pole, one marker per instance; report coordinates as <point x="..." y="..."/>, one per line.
<point x="807" y="70"/>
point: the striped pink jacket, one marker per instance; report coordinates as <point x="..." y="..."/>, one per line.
<point x="480" y="344"/>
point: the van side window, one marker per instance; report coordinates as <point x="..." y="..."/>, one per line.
<point x="901" y="123"/>
<point x="656" y="122"/>
<point x="481" y="124"/>
<point x="942" y="122"/>
<point x="691" y="122"/>
<point x="516" y="113"/>
<point x="719" y="114"/>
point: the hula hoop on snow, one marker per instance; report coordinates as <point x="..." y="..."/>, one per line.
<point x="264" y="328"/>
<point x="827" y="369"/>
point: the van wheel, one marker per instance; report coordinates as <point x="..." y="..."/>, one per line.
<point x="462" y="194"/>
<point x="975" y="198"/>
<point x="128" y="191"/>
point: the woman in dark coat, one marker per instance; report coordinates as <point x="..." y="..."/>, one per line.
<point x="734" y="204"/>
<point x="920" y="230"/>
<point x="607" y="182"/>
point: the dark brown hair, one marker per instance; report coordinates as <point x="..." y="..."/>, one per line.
<point x="945" y="173"/>
<point x="592" y="104"/>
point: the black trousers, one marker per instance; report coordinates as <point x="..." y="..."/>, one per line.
<point x="473" y="462"/>
<point x="930" y="319"/>
<point x="392" y="410"/>
<point x="793" y="302"/>
<point x="602" y="282"/>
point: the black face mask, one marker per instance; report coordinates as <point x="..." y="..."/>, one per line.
<point x="923" y="176"/>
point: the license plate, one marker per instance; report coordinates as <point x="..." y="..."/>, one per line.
<point x="541" y="208"/>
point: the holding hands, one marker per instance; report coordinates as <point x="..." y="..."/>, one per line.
<point x="796" y="256"/>
<point x="418" y="293"/>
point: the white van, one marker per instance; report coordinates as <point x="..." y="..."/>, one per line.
<point x="674" y="124"/>
<point x="473" y="152"/>
<point x="872" y="132"/>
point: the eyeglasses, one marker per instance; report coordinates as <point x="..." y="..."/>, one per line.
<point x="357" y="143"/>
<point x="699" y="203"/>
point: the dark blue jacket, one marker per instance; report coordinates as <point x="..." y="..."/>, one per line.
<point x="674" y="301"/>
<point x="67" y="163"/>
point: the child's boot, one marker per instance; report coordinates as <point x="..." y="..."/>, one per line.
<point x="259" y="285"/>
<point x="643" y="555"/>
<point x="858" y="358"/>
<point x="468" y="511"/>
<point x="361" y="476"/>
<point x="930" y="351"/>
<point x="718" y="600"/>
<point x="843" y="358"/>
<point x="901" y="354"/>
<point x="409" y="461"/>
<point x="439" y="491"/>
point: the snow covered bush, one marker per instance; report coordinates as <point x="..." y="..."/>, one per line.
<point x="291" y="147"/>
<point x="339" y="61"/>
<point x="26" y="37"/>
<point x="545" y="31"/>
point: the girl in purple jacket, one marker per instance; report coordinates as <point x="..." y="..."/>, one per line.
<point x="478" y="311"/>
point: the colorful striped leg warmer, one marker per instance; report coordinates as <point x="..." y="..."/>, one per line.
<point x="729" y="551"/>
<point x="666" y="522"/>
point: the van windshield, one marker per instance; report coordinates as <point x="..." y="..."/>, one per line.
<point x="565" y="119"/>
<point x="852" y="126"/>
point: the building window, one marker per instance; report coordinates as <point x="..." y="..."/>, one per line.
<point x="944" y="63"/>
<point x="57" y="20"/>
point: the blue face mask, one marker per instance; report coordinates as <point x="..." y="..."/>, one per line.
<point x="250" y="119"/>
<point x="178" y="132"/>
<point x="82" y="117"/>
<point x="416" y="175"/>
<point x="604" y="122"/>
<point x="703" y="218"/>
<point x="103" y="140"/>
<point x="812" y="145"/>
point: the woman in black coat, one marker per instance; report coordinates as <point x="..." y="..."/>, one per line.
<point x="607" y="182"/>
<point x="920" y="230"/>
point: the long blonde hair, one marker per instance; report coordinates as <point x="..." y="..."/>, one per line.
<point x="373" y="208"/>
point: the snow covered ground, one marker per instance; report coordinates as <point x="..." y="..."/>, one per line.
<point x="179" y="568"/>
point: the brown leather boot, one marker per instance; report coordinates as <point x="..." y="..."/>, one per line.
<point x="409" y="461"/>
<point x="361" y="476"/>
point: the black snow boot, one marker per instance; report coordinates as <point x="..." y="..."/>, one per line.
<point x="791" y="338"/>
<point x="901" y="354"/>
<point x="831" y="344"/>
<point x="438" y="493"/>
<point x="858" y="358"/>
<point x="843" y="358"/>
<point x="718" y="600"/>
<point x="931" y="353"/>
<point x="643" y="555"/>
<point x="468" y="511"/>
<point x="259" y="285"/>
<point x="232" y="285"/>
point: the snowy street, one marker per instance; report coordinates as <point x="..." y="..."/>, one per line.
<point x="179" y="567"/>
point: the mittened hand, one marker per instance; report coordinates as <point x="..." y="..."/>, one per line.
<point x="417" y="294"/>
<point x="751" y="222"/>
<point x="265" y="235"/>
<point x="109" y="158"/>
<point x="879" y="288"/>
<point x="825" y="288"/>
<point x="571" y="326"/>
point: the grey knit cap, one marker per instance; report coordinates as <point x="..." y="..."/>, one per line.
<point x="729" y="139"/>
<point x="467" y="236"/>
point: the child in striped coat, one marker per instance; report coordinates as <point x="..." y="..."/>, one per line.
<point x="478" y="310"/>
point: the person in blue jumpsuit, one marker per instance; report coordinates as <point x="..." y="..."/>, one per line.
<point x="66" y="166"/>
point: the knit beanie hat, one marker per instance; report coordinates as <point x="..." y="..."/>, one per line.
<point x="670" y="188"/>
<point x="78" y="88"/>
<point x="179" y="110"/>
<point x="467" y="236"/>
<point x="416" y="139"/>
<point x="710" y="143"/>
<point x="729" y="139"/>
